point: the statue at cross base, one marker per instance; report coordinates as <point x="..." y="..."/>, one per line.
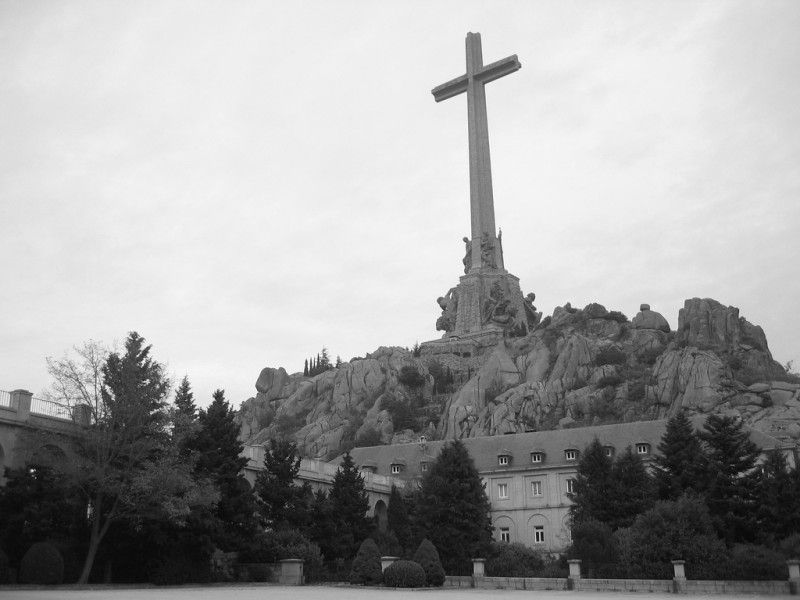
<point x="488" y="303"/>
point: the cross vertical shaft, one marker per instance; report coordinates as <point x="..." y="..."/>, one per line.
<point x="485" y="249"/>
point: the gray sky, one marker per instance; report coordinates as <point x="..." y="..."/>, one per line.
<point x="245" y="182"/>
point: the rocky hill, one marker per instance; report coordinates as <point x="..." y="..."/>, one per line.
<point x="578" y="367"/>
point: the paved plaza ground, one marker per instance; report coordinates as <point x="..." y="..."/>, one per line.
<point x="272" y="592"/>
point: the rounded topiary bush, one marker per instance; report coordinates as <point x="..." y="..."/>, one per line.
<point x="366" y="567"/>
<point x="405" y="574"/>
<point x="42" y="564"/>
<point x="428" y="558"/>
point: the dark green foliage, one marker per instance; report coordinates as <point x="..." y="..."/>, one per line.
<point x="404" y="574"/>
<point x="411" y="377"/>
<point x="366" y="568"/>
<point x="632" y="489"/>
<point x="615" y="315"/>
<point x="219" y="460"/>
<point x="282" y="504"/>
<point x="611" y="355"/>
<point x="649" y="357"/>
<point x="452" y="508"/>
<point x="428" y="558"/>
<point x="416" y="351"/>
<point x="272" y="546"/>
<point x="637" y="390"/>
<point x="401" y="411"/>
<point x="749" y="562"/>
<point x="680" y="465"/>
<point x="368" y="437"/>
<point x="730" y="495"/>
<point x="184" y="399"/>
<point x="443" y="379"/>
<point x="398" y="519"/>
<point x="37" y="504"/>
<point x="592" y="482"/>
<point x="777" y="499"/>
<point x="593" y="543"/>
<point x="346" y="507"/>
<point x="671" y="530"/>
<point x="611" y="380"/>
<point x="5" y="569"/>
<point x="320" y="364"/>
<point x="180" y="569"/>
<point x="42" y="564"/>
<point x="513" y="560"/>
<point x="388" y="543"/>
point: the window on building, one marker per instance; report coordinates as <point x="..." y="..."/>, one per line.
<point x="396" y="469"/>
<point x="505" y="534"/>
<point x="502" y="490"/>
<point x="570" y="486"/>
<point x="538" y="534"/>
<point x="536" y="488"/>
<point x="423" y="467"/>
<point x="609" y="450"/>
<point x="536" y="457"/>
<point x="642" y="448"/>
<point x="502" y="460"/>
<point x="571" y="454"/>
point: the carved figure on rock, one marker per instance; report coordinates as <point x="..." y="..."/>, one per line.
<point x="487" y="252"/>
<point x="468" y="256"/>
<point x="533" y="317"/>
<point x="449" y="305"/>
<point x="497" y="307"/>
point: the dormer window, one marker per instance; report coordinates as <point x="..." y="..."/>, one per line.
<point x="396" y="468"/>
<point x="503" y="460"/>
<point x="642" y="448"/>
<point x="571" y="454"/>
<point x="423" y="466"/>
<point x="609" y="450"/>
<point x="537" y="457"/>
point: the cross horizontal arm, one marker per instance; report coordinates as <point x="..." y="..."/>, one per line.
<point x="498" y="69"/>
<point x="454" y="87"/>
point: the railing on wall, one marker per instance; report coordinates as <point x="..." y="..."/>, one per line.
<point x="40" y="406"/>
<point x="5" y="398"/>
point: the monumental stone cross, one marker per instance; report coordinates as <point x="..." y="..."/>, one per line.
<point x="480" y="169"/>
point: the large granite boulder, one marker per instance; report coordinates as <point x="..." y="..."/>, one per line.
<point x="649" y="319"/>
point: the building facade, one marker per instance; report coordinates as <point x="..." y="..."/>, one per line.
<point x="528" y="476"/>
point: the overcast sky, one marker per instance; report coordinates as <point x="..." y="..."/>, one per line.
<point x="245" y="182"/>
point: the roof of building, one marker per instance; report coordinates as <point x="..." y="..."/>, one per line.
<point x="519" y="446"/>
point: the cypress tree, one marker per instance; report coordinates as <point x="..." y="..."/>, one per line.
<point x="398" y="521"/>
<point x="305" y="367"/>
<point x="681" y="464"/>
<point x="593" y="481"/>
<point x="348" y="505"/>
<point x="453" y="510"/>
<point x="731" y="487"/>
<point x="632" y="492"/>
<point x="428" y="558"/>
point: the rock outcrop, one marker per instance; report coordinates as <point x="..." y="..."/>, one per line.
<point x="578" y="367"/>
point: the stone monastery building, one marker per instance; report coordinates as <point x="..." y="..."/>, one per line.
<point x="527" y="476"/>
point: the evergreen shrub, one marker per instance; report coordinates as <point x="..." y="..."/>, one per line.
<point x="405" y="574"/>
<point x="42" y="564"/>
<point x="366" y="569"/>
<point x="611" y="355"/>
<point x="409" y="376"/>
<point x="428" y="558"/>
<point x="513" y="560"/>
<point x="617" y="316"/>
<point x="5" y="569"/>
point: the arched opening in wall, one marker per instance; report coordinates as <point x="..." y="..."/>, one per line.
<point x="505" y="529"/>
<point x="380" y="516"/>
<point x="539" y="531"/>
<point x="48" y="456"/>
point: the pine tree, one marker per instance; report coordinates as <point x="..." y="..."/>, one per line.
<point x="632" y="491"/>
<point x="681" y="464"/>
<point x="592" y="482"/>
<point x="398" y="520"/>
<point x="282" y="504"/>
<point x="219" y="459"/>
<point x="453" y="510"/>
<point x="777" y="502"/>
<point x="349" y="504"/>
<point x="184" y="399"/>
<point x="731" y="489"/>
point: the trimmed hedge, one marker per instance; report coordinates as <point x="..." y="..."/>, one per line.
<point x="405" y="574"/>
<point x="42" y="564"/>
<point x="428" y="558"/>
<point x="367" y="564"/>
